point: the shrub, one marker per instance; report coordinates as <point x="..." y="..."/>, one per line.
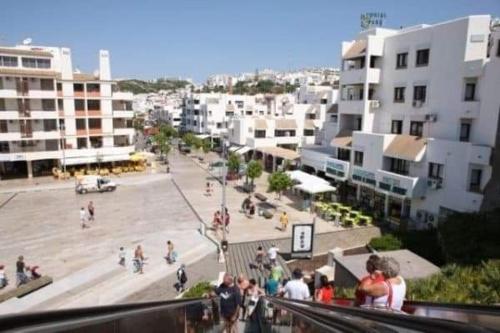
<point x="198" y="290"/>
<point x="385" y="243"/>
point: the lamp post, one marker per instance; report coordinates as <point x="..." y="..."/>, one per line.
<point x="224" y="176"/>
<point x="63" y="144"/>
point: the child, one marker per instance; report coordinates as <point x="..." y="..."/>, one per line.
<point x="121" y="256"/>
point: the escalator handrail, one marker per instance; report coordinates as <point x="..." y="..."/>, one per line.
<point x="87" y="314"/>
<point x="391" y="318"/>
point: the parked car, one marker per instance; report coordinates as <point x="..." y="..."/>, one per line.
<point x="87" y="184"/>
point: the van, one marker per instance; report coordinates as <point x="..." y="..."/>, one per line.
<point x="94" y="184"/>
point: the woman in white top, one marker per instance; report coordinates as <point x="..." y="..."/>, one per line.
<point x="391" y="293"/>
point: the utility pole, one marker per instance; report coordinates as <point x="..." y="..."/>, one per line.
<point x="63" y="132"/>
<point x="224" y="176"/>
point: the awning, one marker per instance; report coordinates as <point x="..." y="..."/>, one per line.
<point x="285" y="124"/>
<point x="28" y="72"/>
<point x="343" y="139"/>
<point x="242" y="150"/>
<point x="286" y="154"/>
<point x="260" y="124"/>
<point x="202" y="136"/>
<point x="310" y="183"/>
<point x="357" y="49"/>
<point x="333" y="109"/>
<point x="309" y="124"/>
<point x="407" y="147"/>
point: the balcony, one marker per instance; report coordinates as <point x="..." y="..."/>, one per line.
<point x="123" y="114"/>
<point x="399" y="185"/>
<point x="362" y="75"/>
<point x="363" y="177"/>
<point x="123" y="131"/>
<point x="469" y="109"/>
<point x="94" y="113"/>
<point x="80" y="113"/>
<point x="352" y="106"/>
<point x="39" y="154"/>
<point x="95" y="131"/>
<point x="81" y="132"/>
<point x="337" y="169"/>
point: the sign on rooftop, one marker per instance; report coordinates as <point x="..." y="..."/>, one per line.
<point x="370" y="20"/>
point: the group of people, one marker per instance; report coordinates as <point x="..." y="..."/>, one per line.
<point x="87" y="215"/>
<point x="24" y="273"/>
<point x="383" y="287"/>
<point x="248" y="207"/>
<point x="217" y="222"/>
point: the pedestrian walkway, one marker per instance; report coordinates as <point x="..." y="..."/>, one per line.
<point x="192" y="175"/>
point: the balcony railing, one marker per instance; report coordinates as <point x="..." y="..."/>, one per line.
<point x="336" y="168"/>
<point x="400" y="185"/>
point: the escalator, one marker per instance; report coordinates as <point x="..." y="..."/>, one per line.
<point x="276" y="315"/>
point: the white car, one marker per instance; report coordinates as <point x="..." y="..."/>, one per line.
<point x="94" y="184"/>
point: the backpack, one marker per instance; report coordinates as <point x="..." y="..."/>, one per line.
<point x="183" y="277"/>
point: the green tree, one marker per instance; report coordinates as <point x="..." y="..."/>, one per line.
<point x="163" y="143"/>
<point x="254" y="170"/>
<point x="233" y="163"/>
<point x="189" y="139"/>
<point x="206" y="146"/>
<point x="169" y="131"/>
<point x="278" y="182"/>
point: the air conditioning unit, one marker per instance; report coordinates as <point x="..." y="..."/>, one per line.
<point x="421" y="216"/>
<point x="431" y="219"/>
<point x="435" y="183"/>
<point x="375" y="104"/>
<point x="431" y="117"/>
<point x="418" y="104"/>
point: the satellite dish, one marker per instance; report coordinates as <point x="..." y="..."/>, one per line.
<point x="27" y="41"/>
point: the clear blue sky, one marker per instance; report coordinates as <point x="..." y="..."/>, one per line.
<point x="196" y="38"/>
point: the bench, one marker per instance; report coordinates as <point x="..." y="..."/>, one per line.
<point x="26" y="288"/>
<point x="261" y="197"/>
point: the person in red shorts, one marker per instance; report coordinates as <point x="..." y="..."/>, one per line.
<point x="374" y="276"/>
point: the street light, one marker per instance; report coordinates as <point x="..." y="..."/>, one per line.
<point x="63" y="144"/>
<point x="224" y="176"/>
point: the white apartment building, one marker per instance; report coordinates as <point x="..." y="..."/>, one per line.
<point x="51" y="116"/>
<point x="417" y="119"/>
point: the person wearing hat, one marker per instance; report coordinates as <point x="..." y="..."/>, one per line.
<point x="296" y="288"/>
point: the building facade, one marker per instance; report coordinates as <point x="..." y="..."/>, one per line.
<point x="417" y="119"/>
<point x="51" y="116"/>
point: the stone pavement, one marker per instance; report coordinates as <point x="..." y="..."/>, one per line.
<point x="191" y="176"/>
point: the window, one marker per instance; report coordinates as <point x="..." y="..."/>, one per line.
<point x="358" y="158"/>
<point x="417" y="128"/>
<point x="239" y="104"/>
<point x="402" y="60"/>
<point x="81" y="124"/>
<point x="36" y="63"/>
<point x="498" y="48"/>
<point x="470" y="91"/>
<point x="93" y="105"/>
<point x="422" y="57"/>
<point x="308" y="132"/>
<point x="49" y="125"/>
<point x="358" y="122"/>
<point x="397" y="127"/>
<point x="2" y="104"/>
<point x="436" y="170"/>
<point x="324" y="101"/>
<point x="46" y="84"/>
<point x="3" y="126"/>
<point x="260" y="133"/>
<point x="48" y="105"/>
<point x="4" y="147"/>
<point x="475" y="180"/>
<point x="465" y="131"/>
<point x="343" y="154"/>
<point x="8" y="61"/>
<point x="399" y="94"/>
<point x="1" y="83"/>
<point x="401" y="167"/>
<point x="196" y="101"/>
<point x="419" y="93"/>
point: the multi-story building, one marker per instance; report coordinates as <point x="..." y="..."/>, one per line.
<point x="52" y="116"/>
<point x="417" y="119"/>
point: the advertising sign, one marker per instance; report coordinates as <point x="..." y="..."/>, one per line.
<point x="302" y="240"/>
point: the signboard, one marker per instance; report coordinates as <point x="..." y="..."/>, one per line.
<point x="302" y="240"/>
<point x="370" y="20"/>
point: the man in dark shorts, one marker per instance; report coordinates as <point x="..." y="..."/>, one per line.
<point x="21" y="276"/>
<point x="91" y="210"/>
<point x="230" y="301"/>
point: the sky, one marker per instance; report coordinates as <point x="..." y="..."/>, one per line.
<point x="197" y="38"/>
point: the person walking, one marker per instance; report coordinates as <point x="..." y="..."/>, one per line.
<point x="171" y="255"/>
<point x="83" y="218"/>
<point x="3" y="277"/>
<point x="21" y="277"/>
<point x="181" y="278"/>
<point x="208" y="189"/>
<point x="325" y="293"/>
<point x="296" y="288"/>
<point x="271" y="286"/>
<point x="227" y="220"/>
<point x="283" y="221"/>
<point x="139" y="259"/>
<point x="272" y="254"/>
<point x="230" y="302"/>
<point x="91" y="210"/>
<point x="217" y="221"/>
<point x="259" y="258"/>
<point x="121" y="257"/>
